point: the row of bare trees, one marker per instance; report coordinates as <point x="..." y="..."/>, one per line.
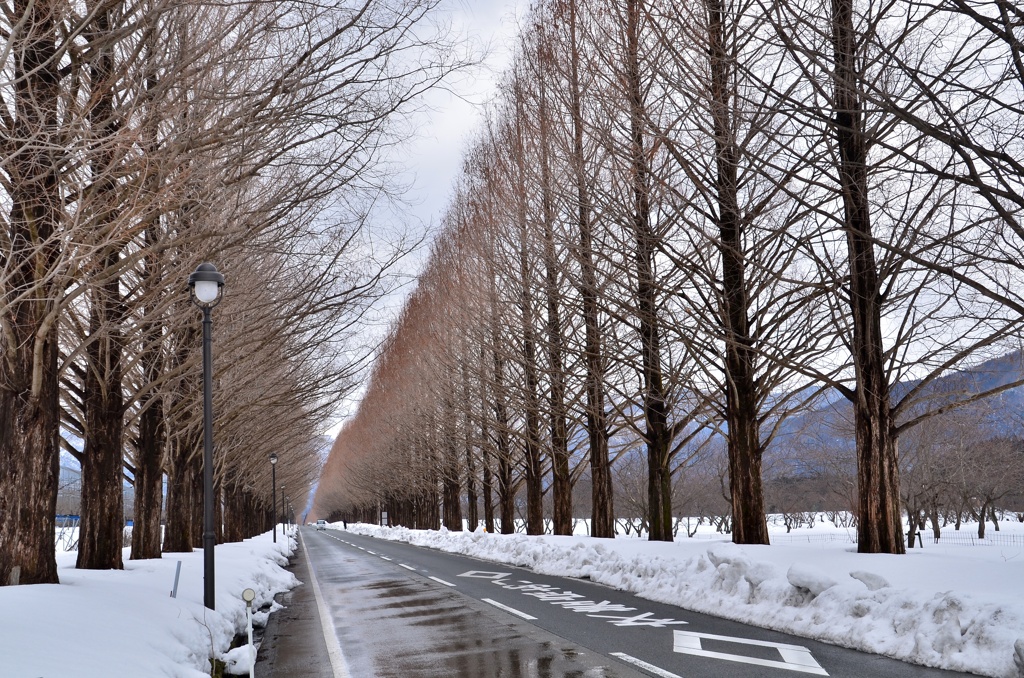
<point x="139" y="139"/>
<point x="682" y="223"/>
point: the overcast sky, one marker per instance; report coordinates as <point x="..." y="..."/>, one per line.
<point x="435" y="156"/>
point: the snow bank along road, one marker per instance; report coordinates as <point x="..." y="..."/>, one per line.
<point x="401" y="610"/>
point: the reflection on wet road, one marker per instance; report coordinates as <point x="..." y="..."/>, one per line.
<point x="392" y="626"/>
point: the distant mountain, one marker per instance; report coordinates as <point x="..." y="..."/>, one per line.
<point x="831" y="422"/>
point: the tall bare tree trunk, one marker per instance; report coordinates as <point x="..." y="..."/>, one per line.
<point x="745" y="453"/>
<point x="101" y="541"/>
<point x="561" y="480"/>
<point x="532" y="458"/>
<point x="182" y="493"/>
<point x="29" y="406"/>
<point x="880" y="527"/>
<point x="149" y="457"/>
<point x="506" y="484"/>
<point x="472" y="501"/>
<point x="488" y="483"/>
<point x="657" y="434"/>
<point x="602" y="509"/>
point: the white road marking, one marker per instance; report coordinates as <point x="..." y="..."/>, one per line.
<point x="371" y="552"/>
<point x="407" y="567"/>
<point x="479" y="574"/>
<point x="644" y="665"/>
<point x="441" y="581"/>
<point x="794" y="657"/>
<point x="338" y="664"/>
<point x="384" y="558"/>
<point x="508" y="609"/>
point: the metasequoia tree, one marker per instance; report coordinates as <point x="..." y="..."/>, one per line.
<point x="34" y="136"/>
<point x="681" y="224"/>
<point x="567" y="56"/>
<point x="905" y="258"/>
<point x="134" y="135"/>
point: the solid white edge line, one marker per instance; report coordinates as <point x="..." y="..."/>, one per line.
<point x="508" y="609"/>
<point x="407" y="567"/>
<point x="441" y="581"/>
<point x="644" y="665"/>
<point x="338" y="664"/>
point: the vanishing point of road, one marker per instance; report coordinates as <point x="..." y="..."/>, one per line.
<point x="372" y="608"/>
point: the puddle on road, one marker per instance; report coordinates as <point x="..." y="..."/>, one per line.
<point x="392" y="628"/>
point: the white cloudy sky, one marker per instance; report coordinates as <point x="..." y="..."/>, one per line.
<point x="434" y="157"/>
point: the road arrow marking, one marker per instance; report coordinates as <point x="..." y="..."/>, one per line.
<point x="794" y="657"/>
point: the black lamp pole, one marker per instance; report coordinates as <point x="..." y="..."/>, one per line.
<point x="205" y="286"/>
<point x="273" y="491"/>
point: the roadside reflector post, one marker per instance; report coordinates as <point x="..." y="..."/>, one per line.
<point x="177" y="574"/>
<point x="248" y="596"/>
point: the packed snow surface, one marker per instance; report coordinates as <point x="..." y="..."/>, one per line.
<point x="105" y="623"/>
<point x="953" y="606"/>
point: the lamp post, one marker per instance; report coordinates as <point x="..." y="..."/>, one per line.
<point x="282" y="506"/>
<point x="205" y="286"/>
<point x="273" y="491"/>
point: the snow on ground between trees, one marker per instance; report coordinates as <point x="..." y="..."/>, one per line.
<point x="102" y="623"/>
<point x="958" y="608"/>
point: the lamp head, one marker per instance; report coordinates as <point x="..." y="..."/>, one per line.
<point x="205" y="285"/>
<point x="273" y="458"/>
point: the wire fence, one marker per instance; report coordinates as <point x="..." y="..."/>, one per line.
<point x="968" y="539"/>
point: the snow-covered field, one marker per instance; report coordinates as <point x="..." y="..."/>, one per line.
<point x="954" y="606"/>
<point x="101" y="624"/>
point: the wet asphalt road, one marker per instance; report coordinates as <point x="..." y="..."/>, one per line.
<point x="397" y="610"/>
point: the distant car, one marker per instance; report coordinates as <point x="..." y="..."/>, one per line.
<point x="321" y="524"/>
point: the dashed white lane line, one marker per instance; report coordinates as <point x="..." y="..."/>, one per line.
<point x="644" y="665"/>
<point x="510" y="610"/>
<point x="407" y="567"/>
<point x="384" y="558"/>
<point x="442" y="581"/>
<point x="338" y="664"/>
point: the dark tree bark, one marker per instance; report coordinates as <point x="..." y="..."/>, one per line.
<point x="183" y="493"/>
<point x="532" y="457"/>
<point x="488" y="489"/>
<point x="658" y="433"/>
<point x="451" y="485"/>
<point x="29" y="405"/>
<point x="149" y="455"/>
<point x="561" y="480"/>
<point x="488" y="482"/>
<point x="472" y="501"/>
<point x="745" y="453"/>
<point x="879" y="516"/>
<point x="602" y="505"/>
<point x="100" y="540"/>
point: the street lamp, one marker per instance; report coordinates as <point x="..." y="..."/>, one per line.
<point x="273" y="491"/>
<point x="282" y="506"/>
<point x="205" y="287"/>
